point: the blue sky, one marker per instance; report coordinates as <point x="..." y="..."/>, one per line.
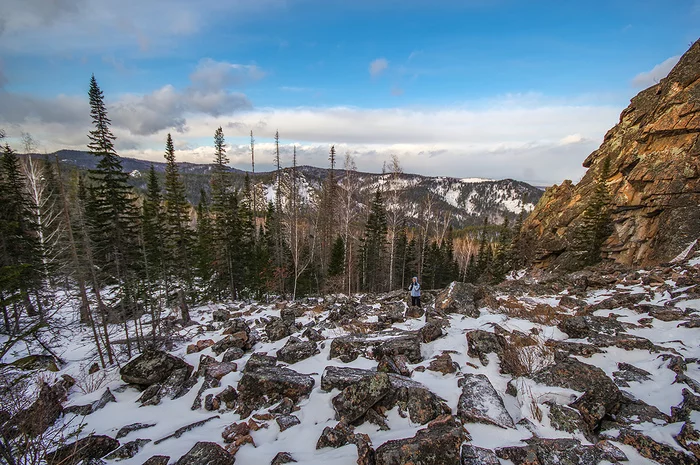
<point x="502" y="88"/>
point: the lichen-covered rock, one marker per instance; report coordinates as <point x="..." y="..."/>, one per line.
<point x="649" y="448"/>
<point x="601" y="396"/>
<point x="268" y="385"/>
<point x="287" y="421"/>
<point x="88" y="448"/>
<point x="421" y="404"/>
<point x="157" y="460"/>
<point x="206" y="453"/>
<point x="430" y="332"/>
<point x="562" y="451"/>
<point x="258" y="360"/>
<point x="296" y="350"/>
<point x="396" y="364"/>
<point x="629" y="373"/>
<point x="281" y="458"/>
<point x="480" y="403"/>
<point x="565" y="418"/>
<point x="458" y="298"/>
<point x="128" y="450"/>
<point x="356" y="399"/>
<point x="232" y="354"/>
<point x="151" y="367"/>
<point x="133" y="427"/>
<point x="580" y="327"/>
<point x="480" y="343"/>
<point x="472" y="455"/>
<point x="406" y="344"/>
<point x="100" y="403"/>
<point x="312" y="335"/>
<point x="443" y="363"/>
<point x="276" y="329"/>
<point x="348" y="348"/>
<point x="437" y="444"/>
<point x="689" y="438"/>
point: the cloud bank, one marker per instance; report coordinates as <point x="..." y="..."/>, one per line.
<point x="657" y="73"/>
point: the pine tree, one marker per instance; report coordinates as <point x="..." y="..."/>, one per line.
<point x="205" y="242"/>
<point x="596" y="224"/>
<point x="499" y="265"/>
<point x="152" y="227"/>
<point x="337" y="262"/>
<point x="401" y="252"/>
<point x="113" y="217"/>
<point x="373" y="253"/>
<point x="20" y="257"/>
<point x="177" y="233"/>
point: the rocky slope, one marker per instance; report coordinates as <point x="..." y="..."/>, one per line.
<point x="588" y="368"/>
<point x="654" y="179"/>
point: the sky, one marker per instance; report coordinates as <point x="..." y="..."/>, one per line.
<point x="471" y="88"/>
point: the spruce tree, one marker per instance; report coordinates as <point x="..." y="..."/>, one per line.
<point x="499" y="265"/>
<point x="177" y="232"/>
<point x="337" y="261"/>
<point x="114" y="218"/>
<point x="596" y="224"/>
<point x="20" y="257"/>
<point x="152" y="227"/>
<point x="374" y="244"/>
<point x="205" y="242"/>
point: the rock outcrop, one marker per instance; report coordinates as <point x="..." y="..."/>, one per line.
<point x="654" y="181"/>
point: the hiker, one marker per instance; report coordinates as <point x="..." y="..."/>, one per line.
<point x="414" y="287"/>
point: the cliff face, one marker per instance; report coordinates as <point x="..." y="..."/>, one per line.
<point x="654" y="180"/>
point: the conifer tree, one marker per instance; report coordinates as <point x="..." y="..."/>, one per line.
<point x="499" y="265"/>
<point x="113" y="216"/>
<point x="337" y="262"/>
<point x="205" y="242"/>
<point x="152" y="227"/>
<point x="20" y="257"/>
<point x="596" y="224"/>
<point x="177" y="233"/>
<point x="373" y="253"/>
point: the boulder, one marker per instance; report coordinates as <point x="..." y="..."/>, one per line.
<point x="480" y="403"/>
<point x="281" y="458"/>
<point x="276" y="329"/>
<point x="601" y="396"/>
<point x="151" y="367"/>
<point x="100" y="403"/>
<point x="356" y="399"/>
<point x="562" y="451"/>
<point x="133" y="427"/>
<point x="458" y="298"/>
<point x="266" y="386"/>
<point x="443" y="364"/>
<point x="480" y="343"/>
<point x="651" y="449"/>
<point x="287" y="421"/>
<point x="341" y="435"/>
<point x="85" y="449"/>
<point x="472" y="455"/>
<point x="232" y="353"/>
<point x="296" y="350"/>
<point x="405" y="344"/>
<point x="438" y="444"/>
<point x="430" y="332"/>
<point x="206" y="453"/>
<point x="259" y="360"/>
<point x="394" y="364"/>
<point x="128" y="450"/>
<point x="157" y="460"/>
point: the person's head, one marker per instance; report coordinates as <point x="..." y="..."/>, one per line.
<point x="415" y="279"/>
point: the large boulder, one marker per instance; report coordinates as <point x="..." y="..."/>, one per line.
<point x="82" y="450"/>
<point x="266" y="386"/>
<point x="438" y="444"/>
<point x="206" y="453"/>
<point x="562" y="451"/>
<point x="348" y="348"/>
<point x="458" y="298"/>
<point x="480" y="343"/>
<point x="296" y="350"/>
<point x="151" y="367"/>
<point x="480" y="403"/>
<point x="601" y="396"/>
<point x="356" y="399"/>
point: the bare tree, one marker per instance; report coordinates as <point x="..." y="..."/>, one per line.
<point x="349" y="214"/>
<point x="394" y="214"/>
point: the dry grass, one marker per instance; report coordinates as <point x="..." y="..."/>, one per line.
<point x="524" y="356"/>
<point x="88" y="383"/>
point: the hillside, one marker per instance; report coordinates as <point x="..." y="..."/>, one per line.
<point x="467" y="200"/>
<point x="654" y="180"/>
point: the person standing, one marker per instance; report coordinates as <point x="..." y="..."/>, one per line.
<point x="414" y="287"/>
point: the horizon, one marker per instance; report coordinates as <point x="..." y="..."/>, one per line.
<point x="496" y="90"/>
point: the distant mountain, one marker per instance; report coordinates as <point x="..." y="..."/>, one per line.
<point x="468" y="200"/>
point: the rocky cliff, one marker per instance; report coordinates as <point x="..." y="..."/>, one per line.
<point x="654" y="180"/>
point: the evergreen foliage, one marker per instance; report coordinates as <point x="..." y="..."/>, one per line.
<point x="596" y="224"/>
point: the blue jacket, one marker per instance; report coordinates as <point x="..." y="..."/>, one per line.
<point x="415" y="289"/>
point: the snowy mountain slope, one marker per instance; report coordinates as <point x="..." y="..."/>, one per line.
<point x="608" y="363"/>
<point x="467" y="200"/>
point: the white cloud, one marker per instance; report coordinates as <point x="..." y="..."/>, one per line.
<point x="657" y="73"/>
<point x="212" y="74"/>
<point x="378" y="66"/>
<point x="519" y="137"/>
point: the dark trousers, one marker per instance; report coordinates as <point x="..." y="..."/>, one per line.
<point x="415" y="301"/>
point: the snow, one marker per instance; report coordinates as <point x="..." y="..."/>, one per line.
<point x="316" y="412"/>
